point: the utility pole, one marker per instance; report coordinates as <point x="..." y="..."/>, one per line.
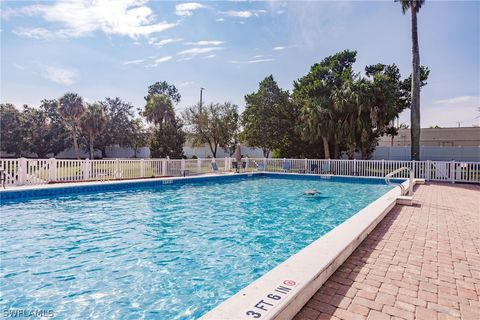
<point x="459" y="123"/>
<point x="201" y="90"/>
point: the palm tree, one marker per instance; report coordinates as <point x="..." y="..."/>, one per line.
<point x="159" y="110"/>
<point x="318" y="124"/>
<point x="414" y="6"/>
<point x="71" y="108"/>
<point x="93" y="122"/>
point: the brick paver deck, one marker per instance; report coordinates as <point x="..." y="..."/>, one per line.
<point x="420" y="262"/>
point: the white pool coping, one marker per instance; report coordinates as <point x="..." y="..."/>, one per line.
<point x="107" y="182"/>
<point x="283" y="291"/>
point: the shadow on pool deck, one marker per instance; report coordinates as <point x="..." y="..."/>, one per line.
<point x="420" y="262"/>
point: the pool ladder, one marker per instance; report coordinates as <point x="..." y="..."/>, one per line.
<point x="402" y="187"/>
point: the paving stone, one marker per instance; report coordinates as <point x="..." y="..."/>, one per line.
<point x="420" y="262"/>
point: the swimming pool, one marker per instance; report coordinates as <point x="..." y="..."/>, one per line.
<point x="163" y="251"/>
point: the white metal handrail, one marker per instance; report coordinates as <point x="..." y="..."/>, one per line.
<point x="402" y="187"/>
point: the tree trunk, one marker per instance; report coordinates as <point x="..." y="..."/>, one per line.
<point x="364" y="153"/>
<point x="266" y="152"/>
<point x="336" y="150"/>
<point x="415" y="107"/>
<point x="104" y="152"/>
<point x="75" y="142"/>
<point x="391" y="144"/>
<point x="91" y="147"/>
<point x="213" y="150"/>
<point x="326" y="148"/>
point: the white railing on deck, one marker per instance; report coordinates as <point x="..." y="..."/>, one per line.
<point x="24" y="171"/>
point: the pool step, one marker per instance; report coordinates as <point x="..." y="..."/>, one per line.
<point x="405" y="200"/>
<point x="419" y="181"/>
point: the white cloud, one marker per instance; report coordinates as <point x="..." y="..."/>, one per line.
<point x="455" y="100"/>
<point x="220" y="19"/>
<point x="197" y="50"/>
<point x="260" y="60"/>
<point x="204" y="43"/>
<point x="161" y="43"/>
<point x="252" y="61"/>
<point x="133" y="61"/>
<point x="162" y="59"/>
<point x="60" y="75"/>
<point x="279" y="48"/>
<point x="210" y="56"/>
<point x="80" y="18"/>
<point x="38" y="33"/>
<point x="19" y="66"/>
<point x="244" y="14"/>
<point x="186" y="84"/>
<point x="186" y="9"/>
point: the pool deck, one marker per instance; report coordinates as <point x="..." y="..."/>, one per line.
<point x="420" y="262"/>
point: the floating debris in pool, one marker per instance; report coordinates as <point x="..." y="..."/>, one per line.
<point x="311" y="192"/>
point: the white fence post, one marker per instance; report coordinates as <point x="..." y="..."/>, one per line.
<point x="142" y="168"/>
<point x="117" y="168"/>
<point x="305" y="165"/>
<point x="164" y="167"/>
<point x="428" y="169"/>
<point x="383" y="167"/>
<point x="52" y="169"/>
<point x="22" y="171"/>
<point x="199" y="165"/>
<point x="182" y="167"/>
<point x="452" y="171"/>
<point x="355" y="167"/>
<point x="86" y="169"/>
<point x="226" y="166"/>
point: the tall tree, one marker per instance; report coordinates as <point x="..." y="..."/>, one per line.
<point x="11" y="129"/>
<point x="215" y="125"/>
<point x="159" y="110"/>
<point x="262" y="119"/>
<point x="313" y="94"/>
<point x="164" y="89"/>
<point x="167" y="141"/>
<point x="167" y="136"/>
<point x="71" y="108"/>
<point x="119" y="126"/>
<point x="93" y="123"/>
<point x="138" y="137"/>
<point x="414" y="7"/>
<point x="43" y="133"/>
<point x="58" y="135"/>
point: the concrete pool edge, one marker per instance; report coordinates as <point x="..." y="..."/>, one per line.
<point x="29" y="191"/>
<point x="284" y="290"/>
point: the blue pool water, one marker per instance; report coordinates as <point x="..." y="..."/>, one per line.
<point x="165" y="252"/>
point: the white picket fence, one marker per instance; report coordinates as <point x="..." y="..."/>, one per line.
<point x="24" y="171"/>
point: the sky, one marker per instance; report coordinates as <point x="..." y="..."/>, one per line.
<point x="118" y="48"/>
